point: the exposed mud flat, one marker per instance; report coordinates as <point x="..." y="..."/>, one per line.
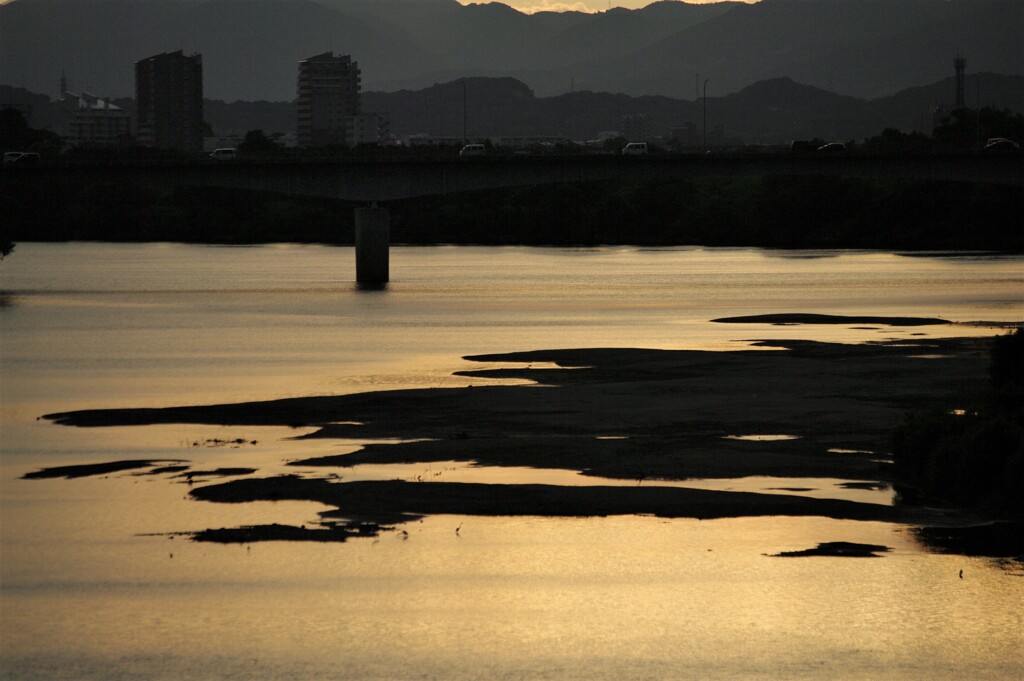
<point x="803" y="318"/>
<point x="632" y="414"/>
<point x="102" y="468"/>
<point x="838" y="549"/>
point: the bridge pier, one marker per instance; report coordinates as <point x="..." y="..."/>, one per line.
<point x="372" y="227"/>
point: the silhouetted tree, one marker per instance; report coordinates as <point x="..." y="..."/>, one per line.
<point x="967" y="129"/>
<point x="14" y="131"/>
<point x="615" y="144"/>
<point x="973" y="457"/>
<point x="892" y="141"/>
<point x="16" y="135"/>
<point x="256" y="142"/>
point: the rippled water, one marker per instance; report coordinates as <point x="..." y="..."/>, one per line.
<point x="91" y="588"/>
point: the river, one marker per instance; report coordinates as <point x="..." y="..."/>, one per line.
<point x="92" y="587"/>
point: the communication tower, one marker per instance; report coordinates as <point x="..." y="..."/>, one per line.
<point x="959" y="63"/>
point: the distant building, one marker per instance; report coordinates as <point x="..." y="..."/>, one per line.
<point x="169" y="101"/>
<point x="366" y="128"/>
<point x="634" y="127"/>
<point x="92" y="121"/>
<point x="685" y="135"/>
<point x="328" y="95"/>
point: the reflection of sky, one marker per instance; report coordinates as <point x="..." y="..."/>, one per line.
<point x="101" y="325"/>
<point x="92" y="590"/>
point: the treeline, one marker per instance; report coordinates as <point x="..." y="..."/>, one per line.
<point x="774" y="212"/>
<point x="972" y="457"/>
<point x="783" y="212"/>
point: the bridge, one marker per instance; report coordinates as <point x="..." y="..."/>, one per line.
<point x="377" y="180"/>
<point x="390" y="179"/>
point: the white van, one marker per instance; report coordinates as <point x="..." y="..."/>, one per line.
<point x="635" y="149"/>
<point x="224" y="154"/>
<point x="473" y="150"/>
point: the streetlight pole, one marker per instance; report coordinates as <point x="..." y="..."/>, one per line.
<point x="464" y="111"/>
<point x="706" y="114"/>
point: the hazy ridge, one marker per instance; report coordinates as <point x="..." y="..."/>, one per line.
<point x="771" y="111"/>
<point x="862" y="48"/>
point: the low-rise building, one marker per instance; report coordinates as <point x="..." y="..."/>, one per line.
<point x="366" y="128"/>
<point x="634" y="127"/>
<point x="93" y="121"/>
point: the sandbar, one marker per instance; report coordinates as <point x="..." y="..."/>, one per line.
<point x="633" y="414"/>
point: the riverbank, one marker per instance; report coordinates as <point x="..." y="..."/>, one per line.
<point x="795" y="409"/>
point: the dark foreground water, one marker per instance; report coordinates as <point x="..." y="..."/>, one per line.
<point x="90" y="588"/>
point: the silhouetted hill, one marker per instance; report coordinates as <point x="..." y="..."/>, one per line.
<point x="858" y="47"/>
<point x="865" y="48"/>
<point x="769" y="112"/>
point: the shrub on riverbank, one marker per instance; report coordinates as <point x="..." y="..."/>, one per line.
<point x="970" y="458"/>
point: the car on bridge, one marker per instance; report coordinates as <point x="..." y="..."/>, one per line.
<point x="21" y="158"/>
<point x="1001" y="145"/>
<point x="473" y="150"/>
<point x="224" y="154"/>
<point x="832" y="148"/>
<point x="635" y="149"/>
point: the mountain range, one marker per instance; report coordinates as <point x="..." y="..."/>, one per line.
<point x="768" y="112"/>
<point x="771" y="111"/>
<point x="250" y="48"/>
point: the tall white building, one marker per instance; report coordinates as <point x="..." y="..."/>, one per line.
<point x="328" y="96"/>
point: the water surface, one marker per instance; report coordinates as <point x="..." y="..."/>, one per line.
<point x="90" y="587"/>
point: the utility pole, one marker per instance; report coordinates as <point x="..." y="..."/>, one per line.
<point x="572" y="108"/>
<point x="706" y="114"/>
<point x="977" y="105"/>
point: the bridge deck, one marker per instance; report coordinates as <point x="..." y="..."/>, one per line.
<point x="390" y="179"/>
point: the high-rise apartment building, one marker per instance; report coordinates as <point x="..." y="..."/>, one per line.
<point x="328" y="95"/>
<point x="169" y="99"/>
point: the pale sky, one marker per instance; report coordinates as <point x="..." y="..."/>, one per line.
<point x="531" y="6"/>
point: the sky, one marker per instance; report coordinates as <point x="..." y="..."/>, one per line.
<point x="531" y="6"/>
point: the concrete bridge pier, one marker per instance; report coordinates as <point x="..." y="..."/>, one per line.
<point x="372" y="227"/>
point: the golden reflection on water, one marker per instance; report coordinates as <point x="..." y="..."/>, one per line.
<point x="540" y="598"/>
<point x="91" y="588"/>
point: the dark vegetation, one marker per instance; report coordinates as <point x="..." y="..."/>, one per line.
<point x="816" y="212"/>
<point x="785" y="212"/>
<point x="970" y="456"/>
<point x="16" y="135"/>
<point x="962" y="130"/>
